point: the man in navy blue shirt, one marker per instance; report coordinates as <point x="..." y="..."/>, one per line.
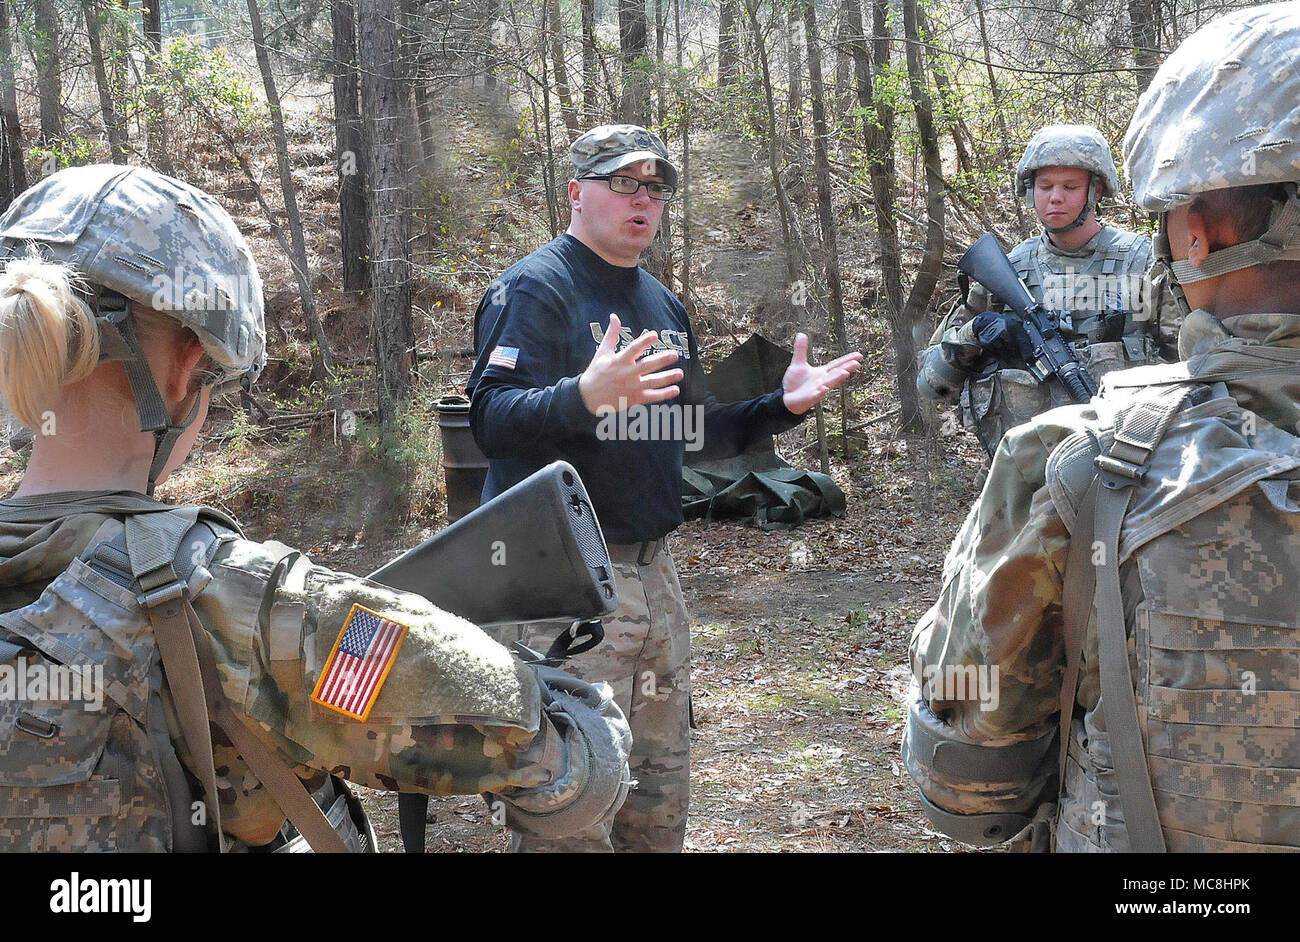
<point x="584" y="356"/>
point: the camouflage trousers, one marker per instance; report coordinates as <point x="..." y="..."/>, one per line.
<point x="646" y="658"/>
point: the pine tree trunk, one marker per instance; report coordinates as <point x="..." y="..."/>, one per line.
<point x="927" y="275"/>
<point x="46" y="46"/>
<point x="661" y="23"/>
<point x="156" y="121"/>
<point x="13" y="174"/>
<point x="1142" y="26"/>
<point x="555" y="34"/>
<point x="634" y="105"/>
<point x="951" y="103"/>
<point x="382" y="101"/>
<point x="878" y="138"/>
<point x="590" y="92"/>
<point x="113" y="125"/>
<point x="1004" y="156"/>
<point x="794" y="82"/>
<point x="418" y="67"/>
<point x="825" y="209"/>
<point x="684" y="109"/>
<point x="842" y="94"/>
<point x="490" y="48"/>
<point x="728" y="43"/>
<point x="795" y="250"/>
<point x="321" y="358"/>
<point x="548" y="165"/>
<point x="354" y="226"/>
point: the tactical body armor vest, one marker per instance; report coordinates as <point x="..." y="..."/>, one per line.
<point x="1103" y="314"/>
<point x="1206" y="754"/>
<point x="87" y="761"/>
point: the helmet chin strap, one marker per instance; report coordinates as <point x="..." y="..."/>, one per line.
<point x="1093" y="185"/>
<point x="1162" y="270"/>
<point x="119" y="342"/>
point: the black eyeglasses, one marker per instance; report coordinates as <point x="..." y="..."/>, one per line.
<point x="628" y="186"/>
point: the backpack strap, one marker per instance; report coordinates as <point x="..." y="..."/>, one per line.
<point x="166" y="556"/>
<point x="1092" y="579"/>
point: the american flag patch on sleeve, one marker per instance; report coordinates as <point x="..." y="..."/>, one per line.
<point x="359" y="664"/>
<point x="505" y="357"/>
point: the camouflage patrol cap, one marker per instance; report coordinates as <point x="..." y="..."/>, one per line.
<point x="612" y="147"/>
<point x="161" y="243"/>
<point x="1223" y="111"/>
<point x="1068" y="145"/>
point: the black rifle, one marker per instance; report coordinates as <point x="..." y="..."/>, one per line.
<point x="1052" y="356"/>
<point x="533" y="553"/>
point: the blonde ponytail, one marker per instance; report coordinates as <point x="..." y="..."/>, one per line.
<point x="48" y="336"/>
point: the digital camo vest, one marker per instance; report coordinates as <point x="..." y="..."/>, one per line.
<point x="87" y="762"/>
<point x="1206" y="589"/>
<point x="1103" y="313"/>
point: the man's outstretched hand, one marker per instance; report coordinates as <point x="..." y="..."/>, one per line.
<point x="615" y="380"/>
<point x="806" y="385"/>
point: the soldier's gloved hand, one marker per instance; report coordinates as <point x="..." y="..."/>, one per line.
<point x="1002" y="336"/>
<point x="593" y="776"/>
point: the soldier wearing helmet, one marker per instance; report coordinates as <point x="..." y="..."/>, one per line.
<point x="1090" y="274"/>
<point x="138" y="628"/>
<point x="1125" y="587"/>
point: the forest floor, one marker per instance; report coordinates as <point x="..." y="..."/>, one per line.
<point x="799" y="637"/>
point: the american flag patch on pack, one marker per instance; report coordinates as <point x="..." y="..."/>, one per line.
<point x="504" y="356"/>
<point x="359" y="664"/>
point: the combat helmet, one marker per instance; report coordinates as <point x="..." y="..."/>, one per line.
<point x="138" y="237"/>
<point x="1223" y="111"/>
<point x="1069" y="145"/>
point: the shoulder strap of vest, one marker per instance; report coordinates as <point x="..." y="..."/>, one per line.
<point x="166" y="556"/>
<point x="1092" y="579"/>
<point x="1111" y="239"/>
<point x="1026" y="262"/>
<point x="122" y="503"/>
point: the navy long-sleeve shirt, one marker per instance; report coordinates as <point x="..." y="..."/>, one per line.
<point x="536" y="330"/>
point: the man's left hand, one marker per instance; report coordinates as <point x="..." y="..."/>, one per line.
<point x="806" y="385"/>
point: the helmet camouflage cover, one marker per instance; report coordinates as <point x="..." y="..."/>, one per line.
<point x="159" y="242"/>
<point x="1068" y="145"/>
<point x="1223" y="111"/>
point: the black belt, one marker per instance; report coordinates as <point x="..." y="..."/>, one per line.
<point x="643" y="554"/>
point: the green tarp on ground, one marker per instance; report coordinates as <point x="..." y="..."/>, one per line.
<point x="757" y="485"/>
<point x="772" y="499"/>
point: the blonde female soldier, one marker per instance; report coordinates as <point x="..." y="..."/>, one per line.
<point x="171" y="685"/>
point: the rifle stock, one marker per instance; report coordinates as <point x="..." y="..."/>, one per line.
<point x="533" y="553"/>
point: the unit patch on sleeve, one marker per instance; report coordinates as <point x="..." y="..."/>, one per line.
<point x="359" y="664"/>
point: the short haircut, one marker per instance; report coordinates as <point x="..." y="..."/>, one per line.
<point x="1245" y="208"/>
